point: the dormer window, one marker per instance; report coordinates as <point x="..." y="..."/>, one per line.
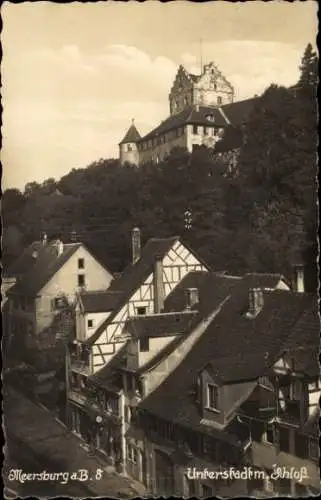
<point x="213" y="397"/>
<point x="210" y="118"/>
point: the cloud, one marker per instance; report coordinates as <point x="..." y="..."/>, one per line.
<point x="64" y="108"/>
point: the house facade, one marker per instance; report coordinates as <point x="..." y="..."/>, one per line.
<point x="140" y="291"/>
<point x="201" y="108"/>
<point x="187" y="378"/>
<point x="46" y="279"/>
<point x="249" y="408"/>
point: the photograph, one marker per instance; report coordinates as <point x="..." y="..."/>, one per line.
<point x="160" y="250"/>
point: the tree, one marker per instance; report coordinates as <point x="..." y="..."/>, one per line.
<point x="309" y="70"/>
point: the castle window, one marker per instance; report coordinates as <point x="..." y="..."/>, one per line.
<point x="195" y="129"/>
<point x="129" y="147"/>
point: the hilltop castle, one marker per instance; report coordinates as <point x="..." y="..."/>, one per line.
<point x="201" y="107"/>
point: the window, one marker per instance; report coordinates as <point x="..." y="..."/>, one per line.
<point x="284" y="439"/>
<point x="284" y="486"/>
<point x="212" y="396"/>
<point x="135" y="455"/>
<point x="219" y="99"/>
<point x="206" y="491"/>
<point x="144" y="344"/>
<point x="315" y="385"/>
<point x="265" y="381"/>
<point x="81" y="263"/>
<point x="268" y="483"/>
<point x="301" y="491"/>
<point x="195" y="130"/>
<point x="130" y="382"/>
<point x="191" y="486"/>
<point x="81" y="280"/>
<point x="129" y="147"/>
<point x="58" y="303"/>
<point x="128" y="414"/>
<point x="90" y="323"/>
<point x="301" y="446"/>
<point x="210" y="118"/>
<point x="205" y="131"/>
<point x="314" y="449"/>
<point x="141" y="311"/>
<point x="269" y="434"/>
<point x="295" y="390"/>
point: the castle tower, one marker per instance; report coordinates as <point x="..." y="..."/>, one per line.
<point x="210" y="88"/>
<point x="128" y="151"/>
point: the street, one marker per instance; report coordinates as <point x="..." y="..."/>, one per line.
<point x="39" y="445"/>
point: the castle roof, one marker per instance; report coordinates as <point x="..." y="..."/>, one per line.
<point x="197" y="115"/>
<point x="132" y="135"/>
<point x="233" y="113"/>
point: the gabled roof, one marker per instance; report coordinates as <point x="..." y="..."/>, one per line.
<point x="247" y="346"/>
<point x="134" y="276"/>
<point x="132" y="135"/>
<point x="99" y="301"/>
<point x="42" y="268"/>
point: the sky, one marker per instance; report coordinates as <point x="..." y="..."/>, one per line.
<point x="74" y="75"/>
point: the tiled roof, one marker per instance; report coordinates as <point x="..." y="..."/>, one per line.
<point x="100" y="300"/>
<point x="235" y="113"/>
<point x="213" y="288"/>
<point x="190" y="115"/>
<point x="25" y="261"/>
<point x="45" y="265"/>
<point x="161" y="325"/>
<point x="132" y="135"/>
<point x="239" y="111"/>
<point x="134" y="275"/>
<point x="249" y="344"/>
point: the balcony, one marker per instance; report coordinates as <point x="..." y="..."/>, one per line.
<point x="87" y="399"/>
<point x="80" y="366"/>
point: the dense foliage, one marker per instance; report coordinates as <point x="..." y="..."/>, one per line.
<point x="261" y="217"/>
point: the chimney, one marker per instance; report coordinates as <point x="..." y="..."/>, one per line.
<point x="44" y="239"/>
<point x="60" y="247"/>
<point x="159" y="293"/>
<point x="135" y="244"/>
<point x="192" y="297"/>
<point x="298" y="278"/>
<point x="256" y="301"/>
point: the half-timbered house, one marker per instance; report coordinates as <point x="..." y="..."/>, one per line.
<point x="245" y="395"/>
<point x="140" y="291"/>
